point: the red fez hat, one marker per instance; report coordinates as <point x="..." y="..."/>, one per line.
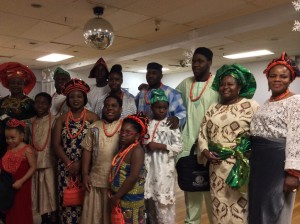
<point x="75" y="84"/>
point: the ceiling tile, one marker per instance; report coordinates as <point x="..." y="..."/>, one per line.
<point x="45" y="31"/>
<point x="75" y="37"/>
<point x="121" y="19"/>
<point x="157" y="8"/>
<point x="7" y="21"/>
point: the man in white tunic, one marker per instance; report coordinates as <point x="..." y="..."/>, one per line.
<point x="59" y="105"/>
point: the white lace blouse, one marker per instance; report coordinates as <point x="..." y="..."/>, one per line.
<point x="281" y="119"/>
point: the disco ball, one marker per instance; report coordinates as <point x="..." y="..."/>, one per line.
<point x="98" y="33"/>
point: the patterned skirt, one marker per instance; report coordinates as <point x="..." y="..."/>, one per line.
<point x="67" y="214"/>
<point x="132" y="203"/>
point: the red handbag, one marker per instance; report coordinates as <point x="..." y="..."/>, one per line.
<point x="116" y="216"/>
<point x="73" y="193"/>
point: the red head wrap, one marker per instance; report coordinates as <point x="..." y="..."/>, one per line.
<point x="99" y="62"/>
<point x="13" y="123"/>
<point x="13" y="69"/>
<point x="141" y="120"/>
<point x="75" y="84"/>
<point x="287" y="62"/>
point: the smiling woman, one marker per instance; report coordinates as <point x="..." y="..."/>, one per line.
<point x="275" y="160"/>
<point x="69" y="131"/>
<point x="224" y="141"/>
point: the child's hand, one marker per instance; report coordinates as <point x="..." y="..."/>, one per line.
<point x="87" y="182"/>
<point x="17" y="185"/>
<point x="114" y="201"/>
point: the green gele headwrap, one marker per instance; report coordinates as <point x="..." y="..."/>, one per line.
<point x="158" y="95"/>
<point x="59" y="71"/>
<point x="243" y="76"/>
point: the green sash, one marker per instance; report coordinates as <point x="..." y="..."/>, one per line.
<point x="239" y="174"/>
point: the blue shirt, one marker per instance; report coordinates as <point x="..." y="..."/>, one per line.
<point x="176" y="107"/>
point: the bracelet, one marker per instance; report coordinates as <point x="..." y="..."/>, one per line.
<point x="70" y="163"/>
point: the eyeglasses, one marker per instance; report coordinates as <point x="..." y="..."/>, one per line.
<point x="127" y="133"/>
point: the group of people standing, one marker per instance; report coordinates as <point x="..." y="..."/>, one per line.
<point x="123" y="150"/>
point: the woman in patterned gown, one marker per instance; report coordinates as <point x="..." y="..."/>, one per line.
<point x="275" y="157"/>
<point x="19" y="80"/>
<point x="69" y="131"/>
<point x="224" y="140"/>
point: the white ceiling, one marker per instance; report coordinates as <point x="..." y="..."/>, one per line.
<point x="226" y="27"/>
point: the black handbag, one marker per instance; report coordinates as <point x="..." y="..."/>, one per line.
<point x="192" y="176"/>
<point x="7" y="193"/>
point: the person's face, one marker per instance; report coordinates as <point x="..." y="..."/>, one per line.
<point x="115" y="81"/>
<point x="42" y="106"/>
<point x="100" y="73"/>
<point x="160" y="110"/>
<point x="111" y="110"/>
<point x="13" y="137"/>
<point x="60" y="81"/>
<point x="229" y="89"/>
<point x="200" y="66"/>
<point x="128" y="135"/>
<point x="153" y="77"/>
<point x="76" y="99"/>
<point x="279" y="79"/>
<point x="16" y="85"/>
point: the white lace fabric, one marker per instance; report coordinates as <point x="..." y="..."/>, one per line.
<point x="281" y="119"/>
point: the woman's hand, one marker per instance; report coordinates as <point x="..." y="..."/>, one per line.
<point x="86" y="182"/>
<point x="211" y="156"/>
<point x="114" y="201"/>
<point x="74" y="168"/>
<point x="291" y="183"/>
<point x="17" y="185"/>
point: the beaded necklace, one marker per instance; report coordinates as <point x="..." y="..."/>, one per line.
<point x="12" y="159"/>
<point x="279" y="97"/>
<point x="114" y="132"/>
<point x="70" y="116"/>
<point x="192" y="87"/>
<point x="119" y="158"/>
<point x="47" y="139"/>
<point x="154" y="131"/>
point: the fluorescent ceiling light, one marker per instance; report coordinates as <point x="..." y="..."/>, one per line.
<point x="248" y="54"/>
<point x="54" y="57"/>
<point x="144" y="70"/>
